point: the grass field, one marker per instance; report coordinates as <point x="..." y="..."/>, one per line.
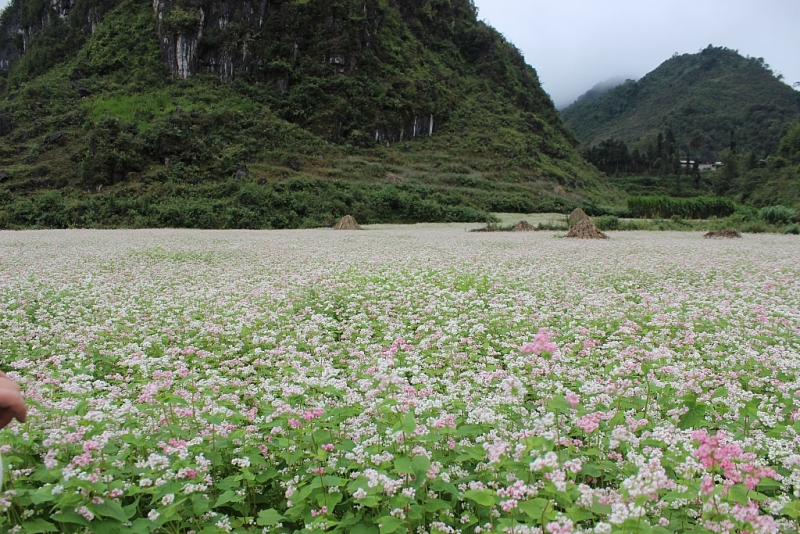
<point x="403" y="379"/>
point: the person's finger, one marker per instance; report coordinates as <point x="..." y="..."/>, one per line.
<point x="14" y="409"/>
<point x="7" y="383"/>
<point x="11" y="401"/>
<point x="5" y="418"/>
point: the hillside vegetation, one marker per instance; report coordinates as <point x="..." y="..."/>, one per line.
<point x="715" y="99"/>
<point x="274" y="115"/>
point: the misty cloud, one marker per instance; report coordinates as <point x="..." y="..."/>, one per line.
<point x="574" y="44"/>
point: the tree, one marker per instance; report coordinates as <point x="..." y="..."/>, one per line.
<point x="696" y="141"/>
<point x="789" y="147"/>
<point x="670" y="150"/>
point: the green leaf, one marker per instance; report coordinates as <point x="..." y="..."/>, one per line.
<point x="577" y="514"/>
<point x="693" y="418"/>
<point x="738" y="493"/>
<point x="111" y="509"/>
<point x="39" y="525"/>
<point x="720" y="392"/>
<point x="420" y="464"/>
<point x="409" y="425"/>
<point x="482" y="497"/>
<point x="303" y="493"/>
<point x="559" y="404"/>
<point x="390" y="523"/>
<point x="361" y="528"/>
<point x="106" y="526"/>
<point x="143" y="526"/>
<point x="601" y="509"/>
<point x="792" y="509"/>
<point x="228" y="496"/>
<point x="43" y="494"/>
<point x="268" y="518"/>
<point x="768" y="484"/>
<point x="535" y="508"/>
<point x="434" y="505"/>
<point x="402" y="465"/>
<point x="69" y="517"/>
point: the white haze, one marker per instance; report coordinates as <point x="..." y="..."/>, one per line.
<point x="574" y="44"/>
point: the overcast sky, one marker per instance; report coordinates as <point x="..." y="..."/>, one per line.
<point x="574" y="44"/>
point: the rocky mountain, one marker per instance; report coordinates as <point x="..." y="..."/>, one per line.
<point x="715" y="99"/>
<point x="273" y="113"/>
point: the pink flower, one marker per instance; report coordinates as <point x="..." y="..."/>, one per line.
<point x="707" y="485"/>
<point x="328" y="447"/>
<point x="294" y="423"/>
<point x="562" y="527"/>
<point x="590" y="422"/>
<point x="321" y="511"/>
<point x="572" y="399"/>
<point x="85" y="512"/>
<point x="495" y="450"/>
<point x="541" y="343"/>
<point x="508" y="505"/>
<point x="447" y="420"/>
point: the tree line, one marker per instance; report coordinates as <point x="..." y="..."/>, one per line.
<point x="660" y="155"/>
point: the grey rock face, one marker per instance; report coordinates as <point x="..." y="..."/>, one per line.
<point x="181" y="31"/>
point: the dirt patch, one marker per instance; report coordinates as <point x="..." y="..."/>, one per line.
<point x="731" y="234"/>
<point x="523" y="226"/>
<point x="586" y="230"/>
<point x="347" y="223"/>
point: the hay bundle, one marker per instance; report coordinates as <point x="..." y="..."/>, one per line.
<point x="347" y="223"/>
<point x="731" y="234"/>
<point x="586" y="230"/>
<point x="523" y="226"/>
<point x="559" y="191"/>
<point x="577" y="216"/>
<point x="393" y="178"/>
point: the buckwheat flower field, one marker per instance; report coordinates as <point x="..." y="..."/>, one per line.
<point x="401" y="380"/>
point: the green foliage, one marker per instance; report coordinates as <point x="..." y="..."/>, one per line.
<point x="777" y="214"/>
<point x="178" y="20"/>
<point x="790" y="144"/>
<point x="690" y="208"/>
<point x="102" y="123"/>
<point x="607" y="222"/>
<point x="712" y="100"/>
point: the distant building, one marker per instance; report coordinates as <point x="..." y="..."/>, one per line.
<point x="704" y="166"/>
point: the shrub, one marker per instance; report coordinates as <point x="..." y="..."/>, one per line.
<point x="607" y="222"/>
<point x="777" y="214"/>
<point x="691" y="208"/>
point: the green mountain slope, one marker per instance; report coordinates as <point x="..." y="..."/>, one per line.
<point x="264" y="113"/>
<point x="716" y="96"/>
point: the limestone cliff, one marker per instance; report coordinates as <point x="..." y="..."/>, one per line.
<point x="219" y="102"/>
<point x="393" y="61"/>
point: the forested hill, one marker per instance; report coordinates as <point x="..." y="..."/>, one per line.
<point x="273" y="113"/>
<point x="716" y="99"/>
